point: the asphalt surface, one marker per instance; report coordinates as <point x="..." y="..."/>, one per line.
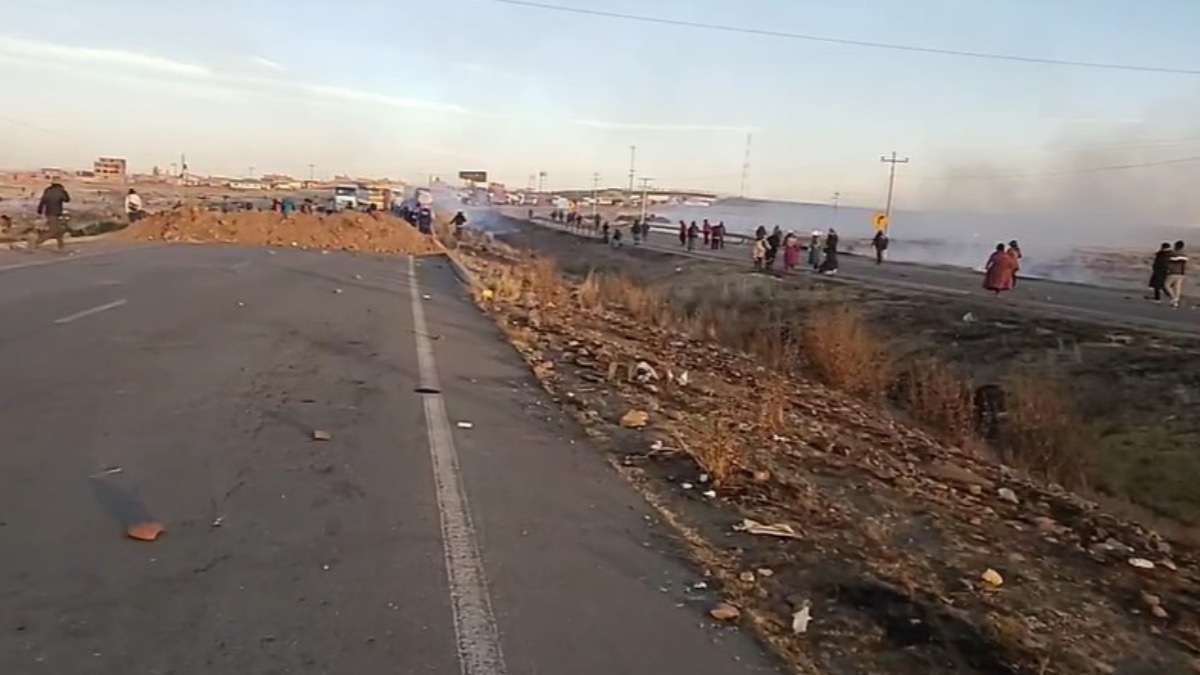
<point x="1112" y="306"/>
<point x="182" y="384"/>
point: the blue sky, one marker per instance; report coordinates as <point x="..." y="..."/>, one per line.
<point x="404" y="88"/>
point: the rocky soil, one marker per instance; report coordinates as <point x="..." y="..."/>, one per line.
<point x="849" y="541"/>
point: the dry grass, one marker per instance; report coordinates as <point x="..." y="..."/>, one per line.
<point x="844" y="353"/>
<point x="719" y="455"/>
<point x="940" y="399"/>
<point x="1044" y="433"/>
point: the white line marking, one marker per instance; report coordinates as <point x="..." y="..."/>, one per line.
<point x="88" y="312"/>
<point x="475" y="628"/>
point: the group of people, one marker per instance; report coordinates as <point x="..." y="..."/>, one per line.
<point x="1167" y="273"/>
<point x="822" y="251"/>
<point x="1000" y="271"/>
<point x="713" y="236"/>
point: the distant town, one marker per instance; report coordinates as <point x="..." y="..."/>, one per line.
<point x="111" y="171"/>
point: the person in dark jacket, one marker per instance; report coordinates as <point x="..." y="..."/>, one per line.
<point x="829" y="265"/>
<point x="52" y="207"/>
<point x="880" y="243"/>
<point x="1158" y="272"/>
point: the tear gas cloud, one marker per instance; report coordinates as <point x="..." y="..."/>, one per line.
<point x="1126" y="189"/>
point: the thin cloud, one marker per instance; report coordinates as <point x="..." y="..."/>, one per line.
<point x="145" y="66"/>
<point x="624" y="126"/>
<point x="267" y="63"/>
<point x="27" y="50"/>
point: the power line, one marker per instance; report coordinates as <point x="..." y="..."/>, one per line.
<point x="1072" y="172"/>
<point x="849" y="42"/>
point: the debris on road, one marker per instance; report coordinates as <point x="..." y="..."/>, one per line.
<point x="343" y="231"/>
<point x="800" y="620"/>
<point x="148" y="531"/>
<point x="465" y="425"/>
<point x="321" y="435"/>
<point x="725" y="612"/>
<point x="754" y="527"/>
<point x="107" y="471"/>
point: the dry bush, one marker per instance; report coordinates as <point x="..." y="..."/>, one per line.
<point x="717" y="454"/>
<point x="1044" y="433"/>
<point x="844" y="353"/>
<point x="773" y="404"/>
<point x="509" y="284"/>
<point x="941" y="399"/>
<point x="589" y="292"/>
<point x="544" y="280"/>
<point x="643" y="303"/>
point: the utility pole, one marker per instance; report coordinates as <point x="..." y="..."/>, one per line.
<point x="541" y="182"/>
<point x="595" y="195"/>
<point x="893" y="161"/>
<point x="837" y="200"/>
<point x="312" y="172"/>
<point x="746" y="165"/>
<point x="632" y="168"/>
<point x="645" y="196"/>
<point x="251" y="174"/>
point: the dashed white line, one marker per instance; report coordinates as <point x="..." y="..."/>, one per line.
<point x="88" y="312"/>
<point x="475" y="629"/>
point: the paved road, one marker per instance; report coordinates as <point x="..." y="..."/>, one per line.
<point x="1118" y="307"/>
<point x="406" y="544"/>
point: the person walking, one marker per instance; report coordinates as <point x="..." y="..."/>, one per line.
<point x="1158" y="273"/>
<point x="830" y="263"/>
<point x="791" y="252"/>
<point x="999" y="271"/>
<point x="880" y="243"/>
<point x="1176" y="271"/>
<point x="707" y="231"/>
<point x="52" y="207"/>
<point x="1014" y="250"/>
<point x="718" y="238"/>
<point x="693" y="233"/>
<point x="133" y="206"/>
<point x="683" y="230"/>
<point x="814" y="251"/>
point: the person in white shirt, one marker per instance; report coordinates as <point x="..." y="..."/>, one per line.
<point x="133" y="206"/>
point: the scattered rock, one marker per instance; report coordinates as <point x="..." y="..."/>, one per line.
<point x="953" y="473"/>
<point x="765" y="572"/>
<point x="1159" y="612"/>
<point x="321" y="435"/>
<point x="992" y="578"/>
<point x="747" y="577"/>
<point x="725" y="612"/>
<point x="762" y="475"/>
<point x="635" y="419"/>
<point x="148" y="531"/>
<point x="1141" y="563"/>
<point x="1008" y="496"/>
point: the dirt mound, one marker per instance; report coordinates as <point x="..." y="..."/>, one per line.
<point x="347" y="231"/>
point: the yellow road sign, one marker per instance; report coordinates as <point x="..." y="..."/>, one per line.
<point x="880" y="220"/>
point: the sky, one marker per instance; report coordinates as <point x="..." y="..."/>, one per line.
<point x="406" y="89"/>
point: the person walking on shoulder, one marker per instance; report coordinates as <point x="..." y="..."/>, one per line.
<point x="880" y="243"/>
<point x="133" y="206"/>
<point x="1176" y="271"/>
<point x="52" y="207"/>
<point x="999" y="271"/>
<point x="1158" y="273"/>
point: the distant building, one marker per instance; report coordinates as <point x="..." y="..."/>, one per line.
<point x="109" y="168"/>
